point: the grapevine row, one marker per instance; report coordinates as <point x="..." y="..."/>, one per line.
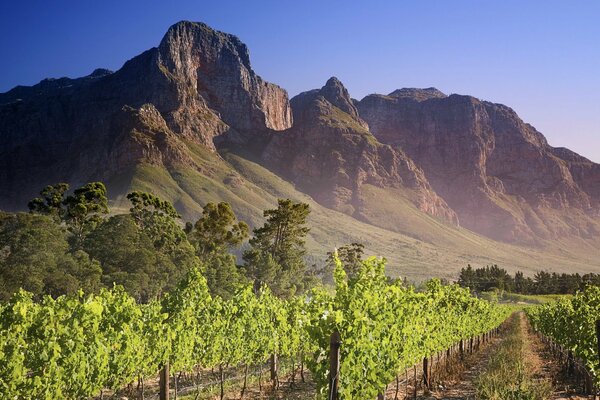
<point x="76" y="346"/>
<point x="572" y="323"/>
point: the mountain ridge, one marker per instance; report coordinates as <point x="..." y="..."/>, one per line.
<point x="185" y="118"/>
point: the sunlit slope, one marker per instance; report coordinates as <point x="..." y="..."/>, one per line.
<point x="415" y="244"/>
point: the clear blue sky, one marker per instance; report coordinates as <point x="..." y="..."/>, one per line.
<point x="540" y="57"/>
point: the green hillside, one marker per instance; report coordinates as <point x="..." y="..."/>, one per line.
<point x="415" y="244"/>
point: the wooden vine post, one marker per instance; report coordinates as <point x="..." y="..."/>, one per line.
<point x="274" y="378"/>
<point x="164" y="382"/>
<point x="426" y="372"/>
<point x="335" y="342"/>
<point x="598" y="340"/>
<point x="598" y="344"/>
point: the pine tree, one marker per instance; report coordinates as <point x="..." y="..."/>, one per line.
<point x="282" y="238"/>
<point x="213" y="236"/>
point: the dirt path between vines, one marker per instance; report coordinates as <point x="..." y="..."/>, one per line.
<point x="459" y="384"/>
<point x="541" y="363"/>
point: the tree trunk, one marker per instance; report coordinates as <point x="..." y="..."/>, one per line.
<point x="293" y="377"/>
<point x="143" y="389"/>
<point x="175" y="379"/>
<point x="415" y="388"/>
<point x="426" y="373"/>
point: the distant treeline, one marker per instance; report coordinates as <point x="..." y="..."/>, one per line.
<point x="493" y="277"/>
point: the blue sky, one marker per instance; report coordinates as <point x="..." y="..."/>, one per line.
<point x="540" y="57"/>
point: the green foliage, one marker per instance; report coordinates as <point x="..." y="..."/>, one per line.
<point x="386" y="327"/>
<point x="34" y="255"/>
<point x="158" y="219"/>
<point x="222" y="275"/>
<point x="129" y="257"/>
<point x="493" y="277"/>
<point x="74" y="346"/>
<point x="351" y="257"/>
<point x="79" y="211"/>
<point x="51" y="202"/>
<point x="276" y="256"/>
<point x="217" y="230"/>
<point x="213" y="235"/>
<point x="571" y="322"/>
<point x="83" y="209"/>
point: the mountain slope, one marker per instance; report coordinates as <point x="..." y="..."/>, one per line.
<point x="498" y="173"/>
<point x="405" y="174"/>
<point x="330" y="154"/>
<point x="433" y="248"/>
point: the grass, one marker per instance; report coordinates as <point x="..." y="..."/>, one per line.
<point x="508" y="374"/>
<point x="517" y="298"/>
<point x="416" y="245"/>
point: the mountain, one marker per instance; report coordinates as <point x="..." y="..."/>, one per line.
<point x="498" y="173"/>
<point x="431" y="181"/>
<point x="330" y="154"/>
<point x="196" y="85"/>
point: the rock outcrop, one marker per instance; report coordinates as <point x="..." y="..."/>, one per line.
<point x="198" y="84"/>
<point x="330" y="154"/>
<point x="497" y="172"/>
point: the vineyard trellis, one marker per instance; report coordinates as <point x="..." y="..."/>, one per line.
<point x="77" y="346"/>
<point x="571" y="326"/>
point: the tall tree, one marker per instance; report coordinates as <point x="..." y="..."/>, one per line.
<point x="158" y="219"/>
<point x="83" y="210"/>
<point x="130" y="258"/>
<point x="35" y="256"/>
<point x="80" y="211"/>
<point x="213" y="236"/>
<point x="217" y="230"/>
<point x="51" y="202"/>
<point x="282" y="237"/>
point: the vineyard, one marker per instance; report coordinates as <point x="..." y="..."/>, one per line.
<point x="572" y="327"/>
<point x="82" y="346"/>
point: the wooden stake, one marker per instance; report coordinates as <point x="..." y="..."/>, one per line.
<point x="274" y="378"/>
<point x="335" y="342"/>
<point x="164" y="383"/>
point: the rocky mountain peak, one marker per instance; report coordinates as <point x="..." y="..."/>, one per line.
<point x="336" y="93"/>
<point x="212" y="68"/>
<point x="496" y="171"/>
<point x="315" y="102"/>
<point x="200" y="42"/>
<point x="100" y="72"/>
<point x="418" y="94"/>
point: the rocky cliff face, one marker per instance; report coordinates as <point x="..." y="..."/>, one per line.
<point x="456" y="158"/>
<point x="213" y="69"/>
<point x="330" y="154"/>
<point x="198" y="84"/>
<point x="497" y="172"/>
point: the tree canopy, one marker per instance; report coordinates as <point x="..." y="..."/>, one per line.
<point x="276" y="255"/>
